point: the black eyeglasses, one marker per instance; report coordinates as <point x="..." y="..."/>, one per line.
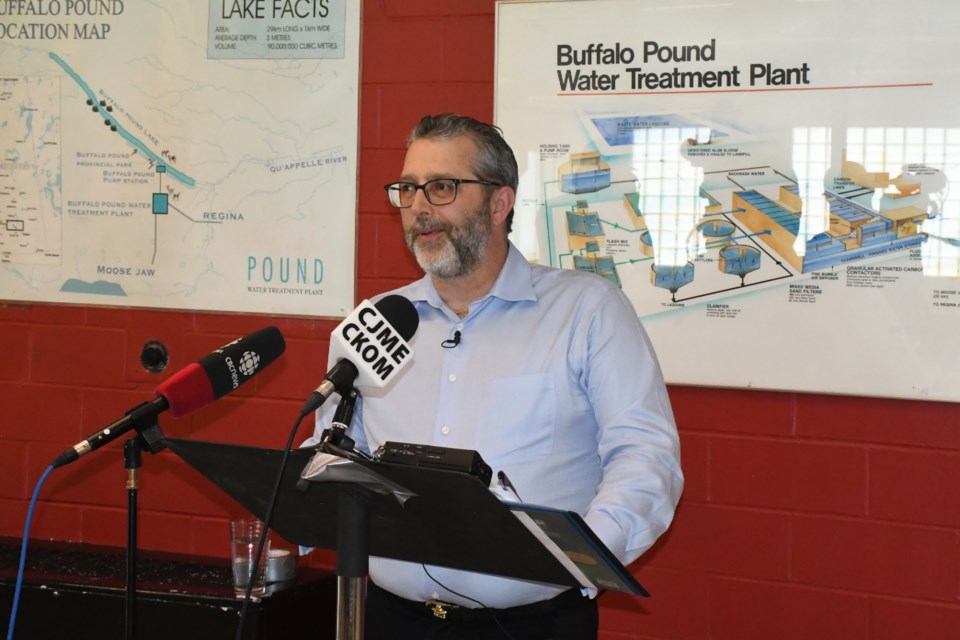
<point x="437" y="192"/>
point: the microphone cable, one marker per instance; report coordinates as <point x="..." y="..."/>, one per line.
<point x="23" y="553"/>
<point x="268" y="516"/>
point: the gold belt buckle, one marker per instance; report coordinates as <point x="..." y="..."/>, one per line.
<point x="439" y="609"/>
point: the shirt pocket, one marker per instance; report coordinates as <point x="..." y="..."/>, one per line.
<point x="518" y="419"/>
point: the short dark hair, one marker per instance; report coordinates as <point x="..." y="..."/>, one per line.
<point x="494" y="162"/>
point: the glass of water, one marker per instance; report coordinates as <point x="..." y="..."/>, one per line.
<point x="244" y="538"/>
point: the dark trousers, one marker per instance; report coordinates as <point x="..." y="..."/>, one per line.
<point x="568" y="616"/>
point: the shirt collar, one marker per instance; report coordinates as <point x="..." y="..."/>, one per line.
<point x="514" y="283"/>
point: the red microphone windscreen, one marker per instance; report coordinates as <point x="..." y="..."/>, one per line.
<point x="187" y="390"/>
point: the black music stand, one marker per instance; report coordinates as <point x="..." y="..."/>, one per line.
<point x="452" y="520"/>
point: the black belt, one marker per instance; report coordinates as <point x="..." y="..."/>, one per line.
<point x="452" y="612"/>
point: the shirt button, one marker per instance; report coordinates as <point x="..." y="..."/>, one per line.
<point x="452" y="377"/>
<point x="445" y="431"/>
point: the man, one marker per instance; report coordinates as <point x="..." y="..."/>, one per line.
<point x="547" y="373"/>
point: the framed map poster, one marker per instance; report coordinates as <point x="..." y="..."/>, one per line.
<point x="177" y="154"/>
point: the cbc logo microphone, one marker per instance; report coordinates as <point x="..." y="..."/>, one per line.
<point x="249" y="362"/>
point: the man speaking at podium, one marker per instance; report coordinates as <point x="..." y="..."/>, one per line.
<point x="547" y="373"/>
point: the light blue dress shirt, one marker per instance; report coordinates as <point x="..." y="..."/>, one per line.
<point x="554" y="382"/>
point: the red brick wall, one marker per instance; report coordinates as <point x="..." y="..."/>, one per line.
<point x="804" y="516"/>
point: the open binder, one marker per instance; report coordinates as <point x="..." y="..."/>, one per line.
<point x="574" y="544"/>
<point x="450" y="519"/>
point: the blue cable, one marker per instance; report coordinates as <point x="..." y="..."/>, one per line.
<point x="23" y="552"/>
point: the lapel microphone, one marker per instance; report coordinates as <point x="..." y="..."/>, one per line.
<point x="451" y="343"/>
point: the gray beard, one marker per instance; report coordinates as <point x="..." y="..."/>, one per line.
<point x="463" y="246"/>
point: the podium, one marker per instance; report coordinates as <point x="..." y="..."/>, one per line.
<point x="437" y="517"/>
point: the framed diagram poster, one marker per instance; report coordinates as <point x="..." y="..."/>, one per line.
<point x="180" y="154"/>
<point x="773" y="185"/>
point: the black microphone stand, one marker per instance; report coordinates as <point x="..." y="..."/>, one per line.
<point x="132" y="461"/>
<point x="353" y="520"/>
<point x="148" y="437"/>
